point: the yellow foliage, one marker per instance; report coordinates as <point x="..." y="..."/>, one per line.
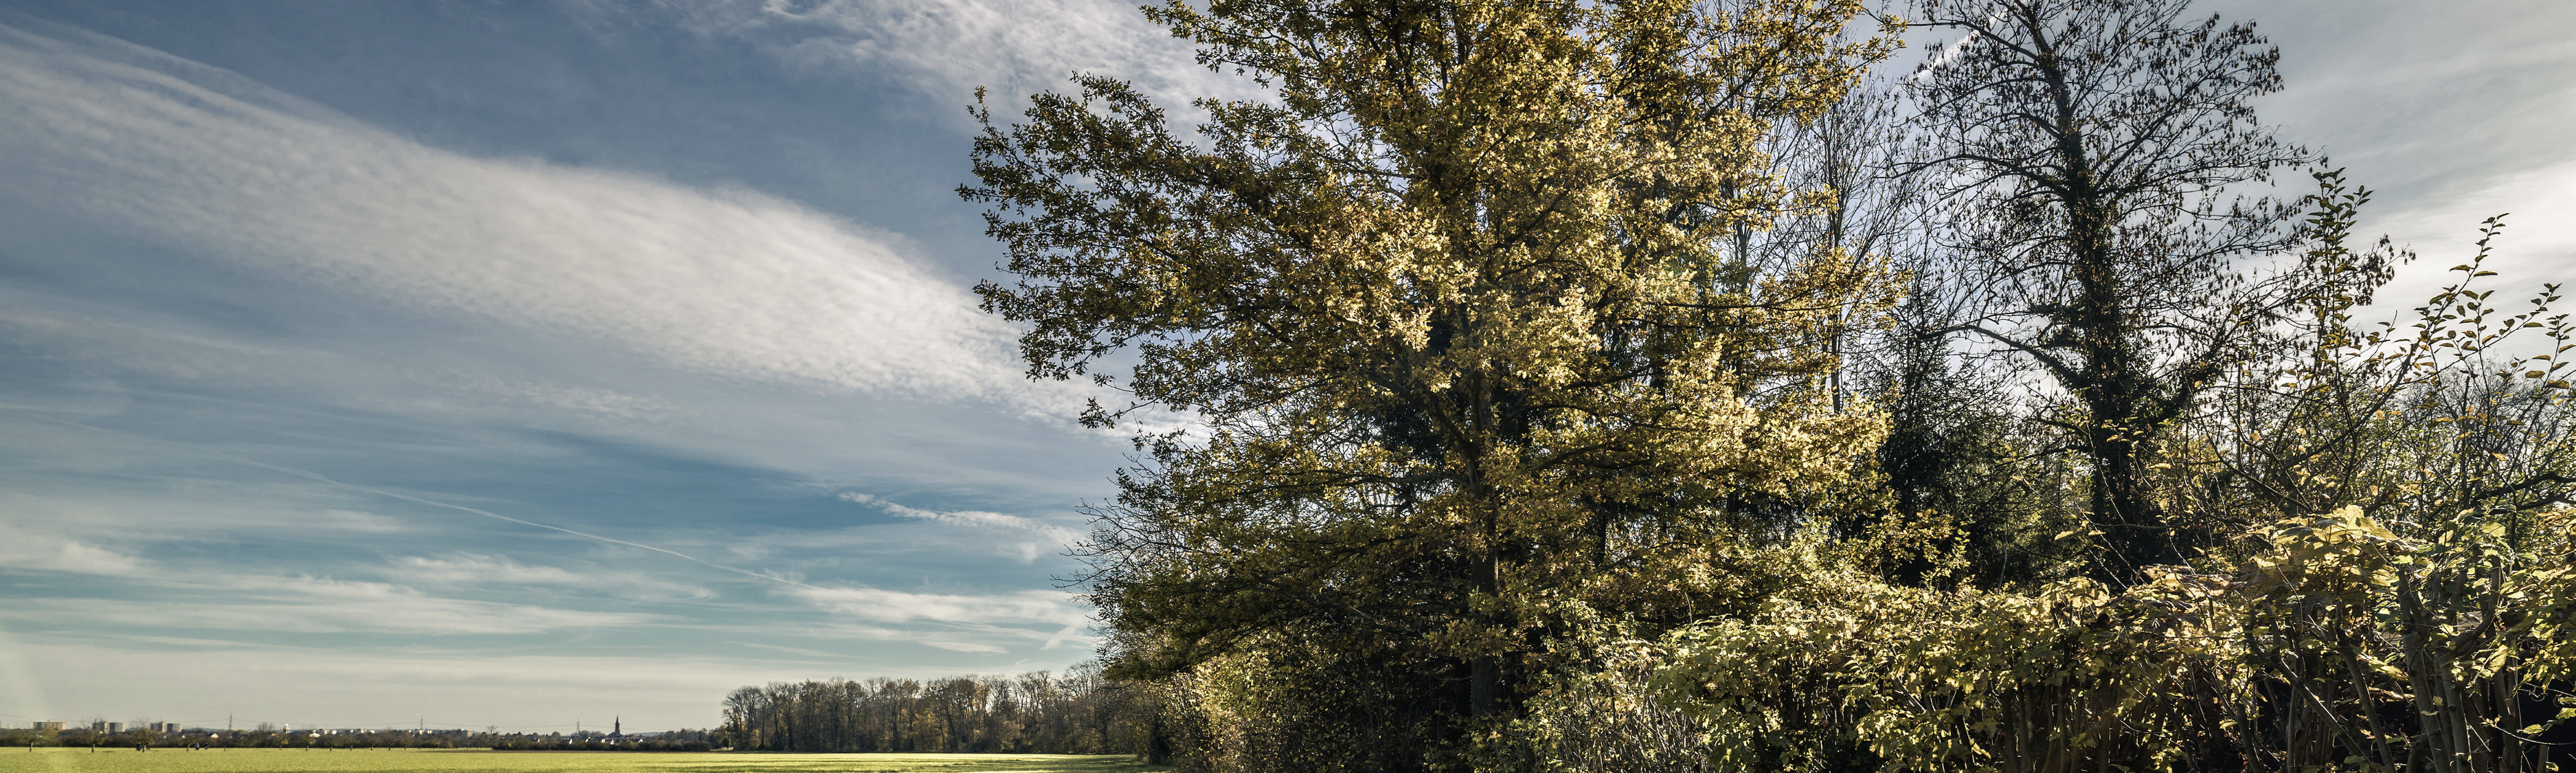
<point x="2305" y="653"/>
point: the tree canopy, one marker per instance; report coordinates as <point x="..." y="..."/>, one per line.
<point x="1597" y="385"/>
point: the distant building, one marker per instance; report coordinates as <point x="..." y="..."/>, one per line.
<point x="49" y="727"/>
<point x="164" y="727"/>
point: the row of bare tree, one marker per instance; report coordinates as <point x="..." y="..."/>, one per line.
<point x="1036" y="713"/>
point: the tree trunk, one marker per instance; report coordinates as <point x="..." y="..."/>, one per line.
<point x="1484" y="685"/>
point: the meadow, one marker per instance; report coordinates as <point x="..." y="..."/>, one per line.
<point x="82" y="760"/>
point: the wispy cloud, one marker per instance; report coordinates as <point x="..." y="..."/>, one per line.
<point x="318" y="605"/>
<point x="475" y="569"/>
<point x="944" y="49"/>
<point x="2448" y="117"/>
<point x="458" y="568"/>
<point x="976" y="623"/>
<point x="813" y="653"/>
<point x="22" y="550"/>
<point x="354" y="520"/>
<point x="730" y="282"/>
<point x="1040" y="607"/>
<point x="964" y="646"/>
<point x="2538" y="243"/>
<point x="1054" y="536"/>
<point x="583" y="400"/>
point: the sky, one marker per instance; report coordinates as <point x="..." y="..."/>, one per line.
<point x="525" y="364"/>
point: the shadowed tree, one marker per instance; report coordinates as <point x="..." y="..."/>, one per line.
<point x="2089" y="149"/>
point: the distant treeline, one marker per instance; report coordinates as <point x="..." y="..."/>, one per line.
<point x="1033" y="713"/>
<point x="675" y="741"/>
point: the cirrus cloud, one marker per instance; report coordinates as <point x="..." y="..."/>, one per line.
<point x="726" y="281"/>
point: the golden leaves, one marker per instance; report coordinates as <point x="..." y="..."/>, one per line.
<point x="2353" y="615"/>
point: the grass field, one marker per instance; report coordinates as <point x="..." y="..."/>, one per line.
<point x="82" y="760"/>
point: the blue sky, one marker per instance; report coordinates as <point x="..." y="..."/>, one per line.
<point x="524" y="363"/>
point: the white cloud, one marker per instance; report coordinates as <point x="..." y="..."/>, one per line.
<point x="789" y="650"/>
<point x="22" y="550"/>
<point x="185" y="599"/>
<point x="891" y="606"/>
<point x="1053" y="535"/>
<point x="353" y="520"/>
<point x="963" y="646"/>
<point x="319" y="605"/>
<point x="946" y="48"/>
<point x="2448" y="117"/>
<point x="2537" y="245"/>
<point x="1051" y="618"/>
<point x="584" y="400"/>
<point x="456" y="568"/>
<point x="461" y="569"/>
<point x="729" y="282"/>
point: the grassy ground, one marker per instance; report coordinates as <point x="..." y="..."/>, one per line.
<point x="82" y="760"/>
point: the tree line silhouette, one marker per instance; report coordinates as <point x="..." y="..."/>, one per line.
<point x="1078" y="712"/>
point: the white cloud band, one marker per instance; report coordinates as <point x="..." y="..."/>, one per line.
<point x="724" y="281"/>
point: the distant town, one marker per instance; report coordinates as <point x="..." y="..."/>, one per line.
<point x="171" y="735"/>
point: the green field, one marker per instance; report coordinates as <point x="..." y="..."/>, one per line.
<point x="82" y="760"/>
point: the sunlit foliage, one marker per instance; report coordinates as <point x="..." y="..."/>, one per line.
<point x="1622" y="386"/>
